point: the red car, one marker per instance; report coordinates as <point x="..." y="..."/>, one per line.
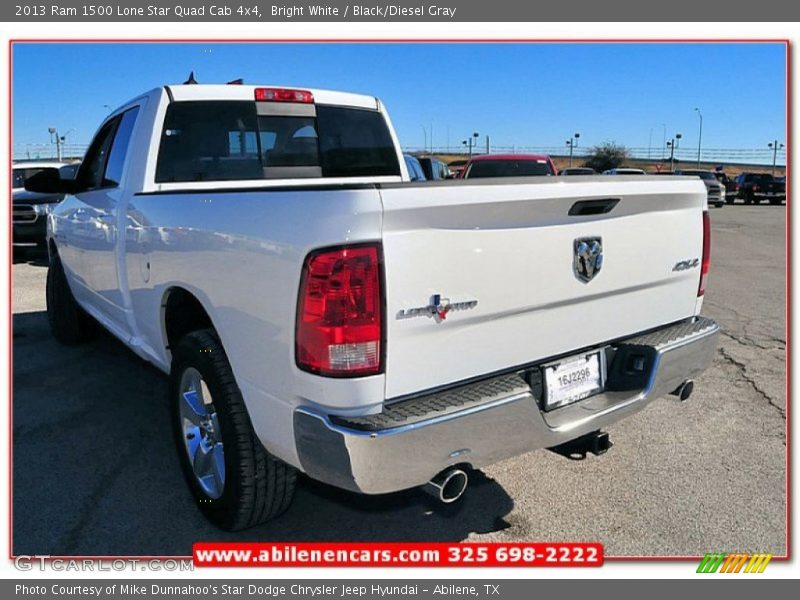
<point x="508" y="165"/>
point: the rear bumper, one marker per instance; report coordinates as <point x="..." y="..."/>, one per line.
<point x="482" y="423"/>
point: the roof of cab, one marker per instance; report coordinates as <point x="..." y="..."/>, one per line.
<point x="188" y="92"/>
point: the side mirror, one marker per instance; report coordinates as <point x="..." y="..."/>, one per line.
<point x="48" y="181"/>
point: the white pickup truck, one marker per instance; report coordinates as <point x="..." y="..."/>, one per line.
<point x="317" y="311"/>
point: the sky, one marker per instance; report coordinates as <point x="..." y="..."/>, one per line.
<point x="531" y="94"/>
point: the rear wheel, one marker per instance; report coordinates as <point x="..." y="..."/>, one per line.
<point x="748" y="200"/>
<point x="730" y="200"/>
<point x="235" y="481"/>
<point x="69" y="323"/>
<point x="775" y="201"/>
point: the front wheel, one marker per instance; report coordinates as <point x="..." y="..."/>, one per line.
<point x="235" y="481"/>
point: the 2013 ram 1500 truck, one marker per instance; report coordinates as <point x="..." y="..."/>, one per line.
<point x="317" y="311"/>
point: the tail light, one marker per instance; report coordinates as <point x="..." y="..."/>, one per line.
<point x="737" y="187"/>
<point x="755" y="188"/>
<point x="339" y="312"/>
<point x="284" y="95"/>
<point x="706" y="264"/>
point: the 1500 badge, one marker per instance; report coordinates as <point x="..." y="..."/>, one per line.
<point x="437" y="308"/>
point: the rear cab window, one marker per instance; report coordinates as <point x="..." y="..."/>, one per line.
<point x="508" y="168"/>
<point x="230" y="140"/>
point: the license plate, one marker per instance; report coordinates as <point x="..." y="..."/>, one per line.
<point x="572" y="379"/>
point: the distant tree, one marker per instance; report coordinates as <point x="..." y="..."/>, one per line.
<point x="607" y="155"/>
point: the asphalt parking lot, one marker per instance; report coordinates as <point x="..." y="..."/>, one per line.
<point x="95" y="471"/>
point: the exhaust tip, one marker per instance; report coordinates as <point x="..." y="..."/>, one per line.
<point x="684" y="390"/>
<point x="448" y="486"/>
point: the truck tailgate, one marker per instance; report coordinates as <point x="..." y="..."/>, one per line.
<point x="502" y="253"/>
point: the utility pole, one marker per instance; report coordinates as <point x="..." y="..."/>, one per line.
<point x="470" y="141"/>
<point x="649" y="143"/>
<point x="487" y="145"/>
<point x="571" y="144"/>
<point x="700" y="136"/>
<point x="672" y="145"/>
<point x="54" y="133"/>
<point x="425" y="139"/>
<point x="775" y="146"/>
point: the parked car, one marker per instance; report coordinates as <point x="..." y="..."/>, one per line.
<point x="508" y="165"/>
<point x="434" y="168"/>
<point x="457" y="167"/>
<point x="755" y="187"/>
<point x="716" y="190"/>
<point x="30" y="209"/>
<point x="415" y="171"/>
<point x="625" y="171"/>
<point x="317" y="311"/>
<point x="577" y="171"/>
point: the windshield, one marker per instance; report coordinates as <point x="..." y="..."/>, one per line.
<point x="508" y="168"/>
<point x="228" y="140"/>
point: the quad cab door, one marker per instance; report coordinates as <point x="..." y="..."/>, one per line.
<point x="89" y="222"/>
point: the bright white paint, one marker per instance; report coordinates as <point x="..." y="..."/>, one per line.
<point x="507" y="245"/>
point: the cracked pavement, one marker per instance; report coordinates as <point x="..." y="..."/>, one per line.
<point x="95" y="471"/>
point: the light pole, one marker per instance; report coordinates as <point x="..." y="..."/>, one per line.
<point x="775" y="147"/>
<point x="54" y="133"/>
<point x="425" y="138"/>
<point x="672" y="145"/>
<point x="470" y="140"/>
<point x="649" y="143"/>
<point x="700" y="136"/>
<point x="571" y="144"/>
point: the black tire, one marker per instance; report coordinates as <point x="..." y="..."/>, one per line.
<point x="69" y="323"/>
<point x="257" y="486"/>
<point x="775" y="201"/>
<point x="748" y="201"/>
<point x="730" y="200"/>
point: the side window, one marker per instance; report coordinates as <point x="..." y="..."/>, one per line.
<point x="90" y="175"/>
<point x="119" y="148"/>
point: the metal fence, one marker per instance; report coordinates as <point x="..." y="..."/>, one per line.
<point x="48" y="151"/>
<point x="755" y="156"/>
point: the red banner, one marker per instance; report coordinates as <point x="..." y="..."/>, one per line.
<point x="496" y="554"/>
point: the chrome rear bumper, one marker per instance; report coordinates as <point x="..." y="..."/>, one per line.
<point x="482" y="423"/>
